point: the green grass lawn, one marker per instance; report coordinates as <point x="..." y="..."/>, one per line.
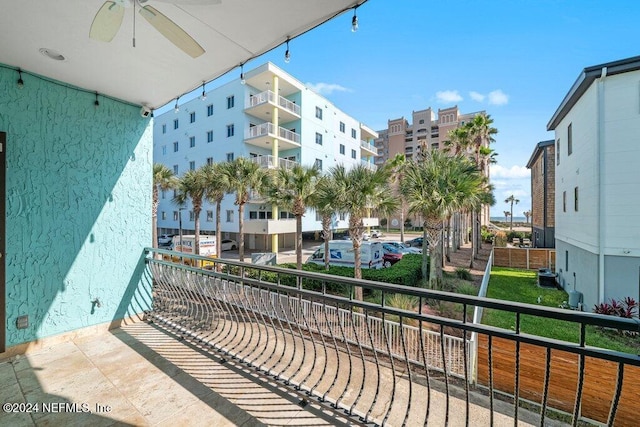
<point x="520" y="286"/>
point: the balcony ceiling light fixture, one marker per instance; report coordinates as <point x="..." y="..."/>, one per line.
<point x="354" y="21"/>
<point x="20" y="81"/>
<point x="204" y="95"/>
<point x="242" y="80"/>
<point x="176" y="109"/>
<point x="96" y="103"/>
<point x="287" y="54"/>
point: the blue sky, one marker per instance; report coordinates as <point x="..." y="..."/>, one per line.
<point x="516" y="59"/>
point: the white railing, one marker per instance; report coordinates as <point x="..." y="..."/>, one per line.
<point x="369" y="165"/>
<point x="269" y="162"/>
<point x="477" y="319"/>
<point x="268" y="129"/>
<point x="268" y="96"/>
<point x="367" y="146"/>
<point x="289" y="135"/>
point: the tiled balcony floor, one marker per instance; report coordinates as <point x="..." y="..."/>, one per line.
<point x="147" y="377"/>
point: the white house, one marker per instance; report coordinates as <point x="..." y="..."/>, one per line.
<point x="597" y="181"/>
<point x="272" y="118"/>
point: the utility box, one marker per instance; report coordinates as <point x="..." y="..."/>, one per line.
<point x="547" y="279"/>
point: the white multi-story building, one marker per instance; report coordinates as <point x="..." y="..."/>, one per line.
<point x="272" y="118"/>
<point x="597" y="205"/>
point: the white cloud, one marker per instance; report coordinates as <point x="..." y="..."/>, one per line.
<point x="448" y="96"/>
<point x="498" y="97"/>
<point x="476" y="96"/>
<point x="516" y="172"/>
<point x="327" y="88"/>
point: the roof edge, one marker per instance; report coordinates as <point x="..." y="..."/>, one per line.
<point x="536" y="151"/>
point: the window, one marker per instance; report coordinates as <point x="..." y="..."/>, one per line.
<point x="230" y="130"/>
<point x="164" y="215"/>
<point x="342" y="148"/>
<point x="164" y="150"/>
<point x="164" y="128"/>
<point x="318" y="164"/>
<point x="575" y="199"/>
<point x="229" y="216"/>
<point x="421" y="122"/>
<point x="564" y="201"/>
<point x="192" y="165"/>
<point x="175" y="146"/>
<point x="209" y="216"/>
<point x="175" y="171"/>
<point x="557" y="152"/>
<point x="566" y="261"/>
<point x="229" y="157"/>
<point x="164" y="193"/>
<point x="175" y="215"/>
<point x="175" y="123"/>
<point x="210" y="136"/>
<point x="231" y="101"/>
<point x="342" y="127"/>
<point x="253" y="214"/>
<point x="318" y="216"/>
<point x="353" y="154"/>
<point x="343" y="216"/>
<point x="192" y="117"/>
<point x="318" y="113"/>
<point x="192" y="141"/>
<point x="570" y="139"/>
<point x="209" y="110"/>
<point x="318" y="138"/>
<point x="353" y="133"/>
<point x="209" y="160"/>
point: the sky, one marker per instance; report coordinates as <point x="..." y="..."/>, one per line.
<point x="515" y="59"/>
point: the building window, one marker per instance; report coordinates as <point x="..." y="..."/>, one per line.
<point x="342" y="148"/>
<point x="231" y="101"/>
<point x="164" y="150"/>
<point x="192" y="165"/>
<point x="566" y="261"/>
<point x="209" y="110"/>
<point x="164" y="194"/>
<point x="564" y="201"/>
<point x="210" y="136"/>
<point x="353" y="133"/>
<point x="164" y="128"/>
<point x="175" y="146"/>
<point x="175" y="170"/>
<point x="192" y="141"/>
<point x="557" y="152"/>
<point x="575" y="199"/>
<point x="343" y="216"/>
<point x="229" y="216"/>
<point x="318" y="164"/>
<point x="230" y="130"/>
<point x="353" y="154"/>
<point x="209" y="161"/>
<point x="421" y="122"/>
<point x="318" y="216"/>
<point x="175" y="215"/>
<point x="229" y="157"/>
<point x="209" y="216"/>
<point x="318" y="113"/>
<point x="192" y="117"/>
<point x="569" y="139"/>
<point x="342" y="127"/>
<point x="164" y="215"/>
<point x="175" y="123"/>
<point x="318" y="138"/>
<point x="191" y="216"/>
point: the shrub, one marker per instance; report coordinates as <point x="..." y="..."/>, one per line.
<point x="463" y="273"/>
<point x="627" y="308"/>
<point x="467" y="289"/>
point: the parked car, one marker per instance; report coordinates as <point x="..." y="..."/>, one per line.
<point x="165" y="240"/>
<point x="405" y="248"/>
<point x="417" y="242"/>
<point x="375" y="233"/>
<point x="390" y="255"/>
<point x="228" y="245"/>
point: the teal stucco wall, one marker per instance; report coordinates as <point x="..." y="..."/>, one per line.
<point x="78" y="207"/>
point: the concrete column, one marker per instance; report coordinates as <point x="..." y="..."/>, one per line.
<point x="275" y="153"/>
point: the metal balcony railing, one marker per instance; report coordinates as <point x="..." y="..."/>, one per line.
<point x="367" y="146"/>
<point x="381" y="364"/>
<point x="270" y="162"/>
<point x="268" y="128"/>
<point x="269" y="96"/>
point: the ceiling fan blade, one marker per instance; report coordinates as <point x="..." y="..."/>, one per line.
<point x="188" y="2"/>
<point x="107" y="22"/>
<point x="172" y="31"/>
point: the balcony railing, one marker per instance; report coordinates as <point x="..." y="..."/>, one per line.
<point x="368" y="165"/>
<point x="270" y="162"/>
<point x="367" y="146"/>
<point x="420" y="367"/>
<point x="268" y="129"/>
<point x="268" y="96"/>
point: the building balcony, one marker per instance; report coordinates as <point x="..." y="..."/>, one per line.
<point x="370" y="222"/>
<point x="368" y="165"/>
<point x="269" y="226"/>
<point x="263" y="135"/>
<point x="270" y="162"/>
<point x="367" y="149"/>
<point x="261" y="106"/>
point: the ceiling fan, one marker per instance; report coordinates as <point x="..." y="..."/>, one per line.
<point x="109" y="18"/>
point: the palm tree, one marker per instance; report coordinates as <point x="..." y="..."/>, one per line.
<point x="506" y="216"/>
<point x="217" y="185"/>
<point x="163" y="179"/>
<point x="324" y="204"/>
<point x="193" y="186"/>
<point x="294" y="189"/>
<point x="527" y="215"/>
<point x="358" y="191"/>
<point x="511" y="199"/>
<point x="244" y="177"/>
<point x="435" y="187"/>
<point x="397" y="165"/>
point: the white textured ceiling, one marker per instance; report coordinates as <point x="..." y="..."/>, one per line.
<point x="154" y="71"/>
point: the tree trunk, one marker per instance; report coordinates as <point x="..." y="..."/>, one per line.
<point x="402" y="221"/>
<point x="299" y="242"/>
<point x="355" y="231"/>
<point x="447" y="240"/>
<point x="327" y="235"/>
<point x="218" y="231"/>
<point x="474" y="248"/>
<point x="241" y="232"/>
<point x="154" y="218"/>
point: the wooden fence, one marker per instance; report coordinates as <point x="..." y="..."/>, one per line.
<point x="527" y="258"/>
<point x="599" y="380"/>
